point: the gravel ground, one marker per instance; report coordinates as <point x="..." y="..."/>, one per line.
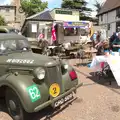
<point x="94" y="101"/>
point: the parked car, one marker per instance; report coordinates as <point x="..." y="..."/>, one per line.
<point x="30" y="82"/>
<point x="8" y="29"/>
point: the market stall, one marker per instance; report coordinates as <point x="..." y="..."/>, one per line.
<point x="112" y="60"/>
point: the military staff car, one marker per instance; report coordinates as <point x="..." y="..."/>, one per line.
<point x="30" y="82"/>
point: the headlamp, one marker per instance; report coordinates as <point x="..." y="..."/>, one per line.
<point x="39" y="73"/>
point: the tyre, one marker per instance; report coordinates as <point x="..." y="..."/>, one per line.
<point x="14" y="106"/>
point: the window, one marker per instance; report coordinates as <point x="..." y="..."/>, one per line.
<point x="118" y="13"/>
<point x="83" y="32"/>
<point x="108" y="26"/>
<point x="7" y="10"/>
<point x="9" y="46"/>
<point x="71" y="31"/>
<point x="117" y="26"/>
<point x="14" y="31"/>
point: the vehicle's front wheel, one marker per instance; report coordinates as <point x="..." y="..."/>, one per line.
<point x="14" y="106"/>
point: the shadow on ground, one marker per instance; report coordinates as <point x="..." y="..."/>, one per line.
<point x="106" y="81"/>
<point x="48" y="113"/>
<point x="45" y="114"/>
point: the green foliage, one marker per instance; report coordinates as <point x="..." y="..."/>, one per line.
<point x="31" y="7"/>
<point x="98" y="5"/>
<point x="2" y="21"/>
<point x="77" y="4"/>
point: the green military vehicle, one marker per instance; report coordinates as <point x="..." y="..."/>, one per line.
<point x="30" y="82"/>
<point x="8" y="29"/>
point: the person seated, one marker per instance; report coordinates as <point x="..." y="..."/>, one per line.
<point x="112" y="38"/>
<point x="116" y="43"/>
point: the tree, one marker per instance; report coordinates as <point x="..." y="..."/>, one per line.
<point x="31" y="7"/>
<point x="79" y="5"/>
<point x="98" y="5"/>
<point x="2" y="21"/>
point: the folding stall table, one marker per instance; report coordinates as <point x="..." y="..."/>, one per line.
<point x="113" y="61"/>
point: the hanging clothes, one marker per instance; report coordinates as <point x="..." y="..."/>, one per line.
<point x="53" y="37"/>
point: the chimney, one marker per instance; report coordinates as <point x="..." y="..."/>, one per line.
<point x="16" y="3"/>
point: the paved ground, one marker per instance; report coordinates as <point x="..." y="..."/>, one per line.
<point x="97" y="100"/>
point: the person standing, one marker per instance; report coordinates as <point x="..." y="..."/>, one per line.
<point x="93" y="38"/>
<point x="99" y="44"/>
<point x="116" y="43"/>
<point x="112" y="38"/>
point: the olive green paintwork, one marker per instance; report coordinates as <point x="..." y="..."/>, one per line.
<point x="19" y="76"/>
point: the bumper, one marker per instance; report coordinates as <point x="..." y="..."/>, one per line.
<point x="40" y="107"/>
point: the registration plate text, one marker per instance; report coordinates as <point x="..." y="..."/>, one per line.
<point x="63" y="100"/>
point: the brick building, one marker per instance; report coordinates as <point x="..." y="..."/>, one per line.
<point x="20" y="17"/>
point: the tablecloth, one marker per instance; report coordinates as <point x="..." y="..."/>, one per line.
<point x="112" y="60"/>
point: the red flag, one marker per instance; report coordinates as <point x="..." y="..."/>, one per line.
<point x="53" y="33"/>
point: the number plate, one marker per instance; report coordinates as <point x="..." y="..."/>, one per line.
<point x="63" y="100"/>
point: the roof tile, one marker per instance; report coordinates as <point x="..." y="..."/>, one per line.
<point x="109" y="5"/>
<point x="44" y="15"/>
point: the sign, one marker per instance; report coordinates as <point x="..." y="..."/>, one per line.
<point x="63" y="100"/>
<point x="34" y="93"/>
<point x="23" y="61"/>
<point x="34" y="28"/>
<point x="114" y="63"/>
<point x="63" y="12"/>
<point x="54" y="90"/>
<point x="77" y="24"/>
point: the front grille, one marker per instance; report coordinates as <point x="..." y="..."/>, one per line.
<point x="54" y="75"/>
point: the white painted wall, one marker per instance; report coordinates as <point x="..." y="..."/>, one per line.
<point x="109" y="18"/>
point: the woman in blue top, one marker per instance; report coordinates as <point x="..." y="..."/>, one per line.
<point x="112" y="38"/>
<point x="116" y="44"/>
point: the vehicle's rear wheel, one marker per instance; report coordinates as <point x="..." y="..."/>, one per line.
<point x="14" y="106"/>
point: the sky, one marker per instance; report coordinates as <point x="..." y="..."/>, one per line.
<point x="57" y="3"/>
